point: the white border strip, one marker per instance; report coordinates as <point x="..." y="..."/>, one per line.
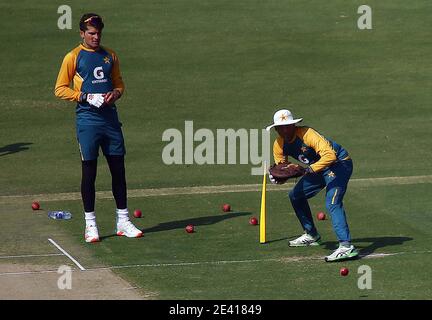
<point x="67" y="254"/>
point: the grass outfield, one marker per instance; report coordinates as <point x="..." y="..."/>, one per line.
<point x="226" y="64"/>
<point x="224" y="260"/>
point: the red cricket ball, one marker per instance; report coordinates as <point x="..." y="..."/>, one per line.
<point x="344" y="271"/>
<point x="35" y="205"/>
<point x="137" y="213"/>
<point x="253" y="221"/>
<point x="321" y="216"/>
<point x="226" y="207"/>
<point x="189" y="228"/>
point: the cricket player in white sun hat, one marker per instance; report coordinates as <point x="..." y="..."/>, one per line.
<point x="328" y="166"/>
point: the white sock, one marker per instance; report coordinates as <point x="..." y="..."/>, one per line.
<point x="90" y="218"/>
<point x="122" y="215"/>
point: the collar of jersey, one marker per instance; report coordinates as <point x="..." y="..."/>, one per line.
<point x="88" y="49"/>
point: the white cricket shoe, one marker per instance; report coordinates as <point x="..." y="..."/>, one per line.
<point x="128" y="229"/>
<point x="342" y="253"/>
<point x="91" y="234"/>
<point x="305" y="240"/>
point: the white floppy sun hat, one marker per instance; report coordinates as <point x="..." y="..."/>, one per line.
<point x="283" y="117"/>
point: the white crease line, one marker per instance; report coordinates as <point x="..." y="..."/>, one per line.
<point x="379" y="255"/>
<point x="157" y="192"/>
<point x="282" y="259"/>
<point x="180" y="264"/>
<point x="67" y="254"/>
<point x="27" y="272"/>
<point x="31" y="256"/>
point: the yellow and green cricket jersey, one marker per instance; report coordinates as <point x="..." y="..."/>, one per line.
<point x="90" y="71"/>
<point x="309" y="147"/>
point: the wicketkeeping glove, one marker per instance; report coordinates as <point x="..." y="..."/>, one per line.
<point x="95" y="99"/>
<point x="282" y="172"/>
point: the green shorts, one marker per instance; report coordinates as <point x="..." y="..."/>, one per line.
<point x="108" y="137"/>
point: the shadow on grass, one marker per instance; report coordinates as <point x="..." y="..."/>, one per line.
<point x="375" y="243"/>
<point x="277" y="240"/>
<point x="181" y="224"/>
<point x="14" y="148"/>
<point x="201" y="221"/>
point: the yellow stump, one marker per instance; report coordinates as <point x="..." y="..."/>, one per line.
<point x="262" y="221"/>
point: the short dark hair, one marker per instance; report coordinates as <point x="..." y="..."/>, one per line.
<point x="91" y="19"/>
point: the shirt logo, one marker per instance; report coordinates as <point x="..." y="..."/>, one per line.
<point x="99" y="75"/>
<point x="107" y="60"/>
<point x="303" y="159"/>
